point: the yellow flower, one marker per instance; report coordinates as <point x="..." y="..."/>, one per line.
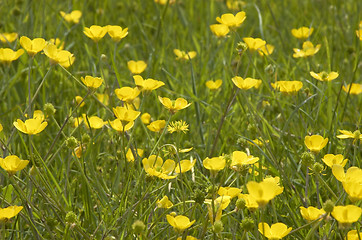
<point x="121" y="126"/>
<point x="220" y="204"/>
<point x="311" y="213"/>
<point x="136" y="67"/>
<point x="246" y="83"/>
<point x="7" y="55"/>
<point x="331" y="159"/>
<point x="130" y="157"/>
<point x="117" y="33"/>
<point x="95" y="32"/>
<point x="348" y="134"/>
<point x="157" y="126"/>
<point x="302" y="32"/>
<point x="31" y="126"/>
<point x="72" y="17"/>
<point x="163" y="2"/>
<point x="275" y="231"/>
<point x="354" y="88"/>
<point x="229" y="191"/>
<point x="353" y="235"/>
<point x="276" y="180"/>
<point x="213" y="85"/>
<point x="79" y="99"/>
<point x="324" y="77"/>
<point x="1" y="127"/>
<point x="186" y="165"/>
<point x="32" y="46"/>
<point x="219" y="30"/>
<point x="359" y="34"/>
<point x="124" y="114"/>
<point x="188" y="237"/>
<point x="148" y="84"/>
<point x="254" y="44"/>
<point x="174" y="106"/>
<point x="315" y="143"/>
<point x="214" y="164"/>
<point x="232" y="21"/>
<point x="93" y="122"/>
<point x="179" y="223"/>
<point x="259" y="142"/>
<point x="353" y="174"/>
<point x="346" y="215"/>
<point x="127" y="94"/>
<point x="9" y="212"/>
<point x="287" y="87"/>
<point x="307" y="50"/>
<point x="178" y="126"/>
<point x="241" y="158"/>
<point x="57" y="56"/>
<point x="146" y="118"/>
<point x="250" y="202"/>
<point x="164" y="202"/>
<point x="12" y="164"/>
<point x="235" y="5"/>
<point x="78" y="151"/>
<point x="57" y="42"/>
<point x="264" y="191"/>
<point x="103" y="98"/>
<point x="182" y="55"/>
<point x="92" y="82"/>
<point x="266" y="50"/>
<point x="8" y="37"/>
<point x="156" y="167"/>
<point x="353" y="189"/>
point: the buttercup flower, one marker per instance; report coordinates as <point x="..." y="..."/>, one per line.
<point x="241" y="158"/>
<point x="129" y="154"/>
<point x="12" y="164"/>
<point x="219" y="30"/>
<point x="324" y="77"/>
<point x="229" y="191"/>
<point x="250" y="201"/>
<point x="103" y="98"/>
<point x="136" y="67"/>
<point x="311" y="213"/>
<point x="179" y="223"/>
<point x="287" y="87"/>
<point x="31" y="126"/>
<point x="246" y="83"/>
<point x="127" y="94"/>
<point x="348" y="134"/>
<point x="1" y="127"/>
<point x="353" y="235"/>
<point x="354" y="190"/>
<point x="302" y="32"/>
<point x="7" y="55"/>
<point x="315" y="143"/>
<point x="346" y="215"/>
<point x="164" y="203"/>
<point x="57" y="56"/>
<point x="146" y="118"/>
<point x="174" y="106"/>
<point x="92" y="82"/>
<point x="148" y="84"/>
<point x="156" y="167"/>
<point x="264" y="191"/>
<point x="78" y="100"/>
<point x="254" y="44"/>
<point x="178" y="126"/>
<point x="189" y="237"/>
<point x="9" y="212"/>
<point x="163" y="2"/>
<point x="95" y="32"/>
<point x="121" y="126"/>
<point x="266" y="50"/>
<point x="354" y="88"/>
<point x="213" y="85"/>
<point x="307" y="50"/>
<point x="220" y="204"/>
<point x="93" y="122"/>
<point x="331" y="159"/>
<point x="214" y="164"/>
<point x="124" y="114"/>
<point x="185" y="165"/>
<point x="359" y="34"/>
<point x="184" y="55"/>
<point x="32" y="46"/>
<point x="235" y="5"/>
<point x="351" y="181"/>
<point x="117" y="33"/>
<point x="157" y="126"/>
<point x="275" y="231"/>
<point x="57" y="42"/>
<point x="8" y="37"/>
<point x="232" y="21"/>
<point x="72" y="17"/>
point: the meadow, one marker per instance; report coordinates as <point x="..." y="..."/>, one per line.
<point x="180" y="119"/>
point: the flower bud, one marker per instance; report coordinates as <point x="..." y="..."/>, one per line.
<point x="85" y="138"/>
<point x="218" y="227"/>
<point x="138" y="227"/>
<point x="328" y="206"/>
<point x="49" y="109"/>
<point x="71" y="218"/>
<point x="71" y="142"/>
<point x="307" y="158"/>
<point x="318" y="167"/>
<point x="240" y="203"/>
<point x="247" y="224"/>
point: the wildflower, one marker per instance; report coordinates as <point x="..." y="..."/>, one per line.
<point x="57" y="42"/>
<point x="127" y="94"/>
<point x="1" y="127"/>
<point x="214" y="164"/>
<point x="78" y="151"/>
<point x="359" y="34"/>
<point x="31" y="126"/>
<point x="95" y="32"/>
<point x="157" y="126"/>
<point x="250" y="201"/>
<point x="356" y="135"/>
<point x="93" y="122"/>
<point x="232" y="21"/>
<point x="220" y="204"/>
<point x="324" y="77"/>
<point x="125" y="114"/>
<point x="136" y="67"/>
<point x="288" y="87"/>
<point x="353" y="189"/>
<point x="8" y="37"/>
<point x="121" y="126"/>
<point x="354" y="88"/>
<point x="12" y="164"/>
<point x="163" y="2"/>
<point x="239" y="159"/>
<point x="302" y="32"/>
<point x="187" y="237"/>
<point x="311" y="213"/>
<point x="331" y="159"/>
<point x="174" y="106"/>
<point x="130" y="157"/>
<point x="353" y="174"/>
<point x="79" y="100"/>
<point x="156" y="167"/>
<point x="103" y="98"/>
<point x="92" y="82"/>
<point x="246" y="83"/>
<point x="184" y="55"/>
<point x="257" y="141"/>
<point x="213" y="85"/>
<point x="146" y="118"/>
<point x="353" y="235"/>
<point x="307" y="50"/>
<point x="254" y="44"/>
<point x="117" y="33"/>
<point x="164" y="203"/>
<point x="57" y="56"/>
<point x="315" y="143"/>
<point x="148" y="84"/>
<point x="266" y="50"/>
<point x="178" y="126"/>
<point x="9" y="212"/>
<point x="263" y="192"/>
<point x="32" y="46"/>
<point x="346" y="215"/>
<point x="275" y="231"/>
<point x="72" y="17"/>
<point x="7" y="55"/>
<point x="229" y="191"/>
<point x="179" y="223"/>
<point x="219" y="30"/>
<point x="186" y="165"/>
<point x="138" y="227"/>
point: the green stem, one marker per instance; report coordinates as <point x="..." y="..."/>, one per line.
<point x="162" y="134"/>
